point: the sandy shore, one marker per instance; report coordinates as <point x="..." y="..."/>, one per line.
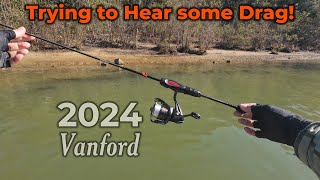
<point x="56" y="59"/>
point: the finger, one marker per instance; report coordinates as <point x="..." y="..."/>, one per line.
<point x="13" y="53"/>
<point x="246" y="122"/>
<point x="21" y="35"/>
<point x="250" y="131"/>
<point x="24" y="38"/>
<point x="20" y="32"/>
<point x="260" y="134"/>
<point x="23" y="52"/>
<point x="247" y="107"/>
<point x="245" y="115"/>
<point x="28" y="38"/>
<point x="16" y="59"/>
<point x="257" y="124"/>
<point x="17" y="46"/>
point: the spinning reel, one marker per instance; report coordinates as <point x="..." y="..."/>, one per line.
<point x="162" y="113"/>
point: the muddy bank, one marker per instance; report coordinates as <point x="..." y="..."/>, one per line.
<point x="60" y="59"/>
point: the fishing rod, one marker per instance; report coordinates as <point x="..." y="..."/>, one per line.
<point x="161" y="112"/>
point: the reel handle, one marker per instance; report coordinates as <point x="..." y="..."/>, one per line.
<point x="177" y="87"/>
<point x="194" y="115"/>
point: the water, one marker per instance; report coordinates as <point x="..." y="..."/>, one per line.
<point x="214" y="147"/>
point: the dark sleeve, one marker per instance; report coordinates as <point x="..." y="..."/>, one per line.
<point x="307" y="147"/>
<point x="4" y="60"/>
<point x="5" y="37"/>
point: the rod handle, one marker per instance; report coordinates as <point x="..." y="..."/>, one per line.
<point x="177" y="87"/>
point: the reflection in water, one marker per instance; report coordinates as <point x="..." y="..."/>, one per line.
<point x="305" y="110"/>
<point x="214" y="147"/>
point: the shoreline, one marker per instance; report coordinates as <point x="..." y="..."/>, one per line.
<point x="61" y="58"/>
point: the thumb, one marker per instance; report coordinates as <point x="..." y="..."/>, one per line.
<point x="20" y="32"/>
<point x="247" y="107"/>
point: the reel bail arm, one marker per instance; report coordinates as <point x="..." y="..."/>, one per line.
<point x="179" y="110"/>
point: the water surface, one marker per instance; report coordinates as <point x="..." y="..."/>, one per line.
<point x="214" y="147"/>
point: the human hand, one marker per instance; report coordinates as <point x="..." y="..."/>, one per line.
<point x="14" y="45"/>
<point x="271" y="122"/>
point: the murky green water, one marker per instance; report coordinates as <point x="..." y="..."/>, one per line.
<point x="214" y="147"/>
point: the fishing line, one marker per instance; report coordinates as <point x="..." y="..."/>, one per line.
<point x="161" y="110"/>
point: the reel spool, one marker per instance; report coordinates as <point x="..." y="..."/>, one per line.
<point x="162" y="113"/>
